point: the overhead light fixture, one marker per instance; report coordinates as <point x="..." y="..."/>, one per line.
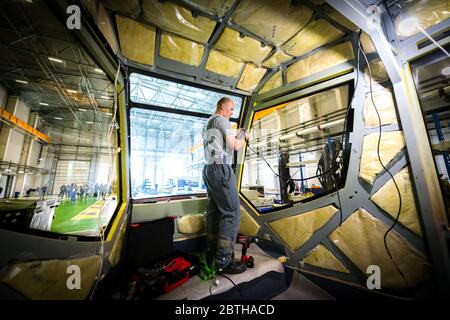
<point x="99" y="70"/>
<point x="21" y="81"/>
<point x="105" y="97"/>
<point x="446" y="71"/>
<point x="109" y="113"/>
<point x="71" y="91"/>
<point x="407" y="26"/>
<point x="43" y="104"/>
<point x="89" y="122"/>
<point x="20" y="171"/>
<point x="84" y="110"/>
<point x="40" y="159"/>
<point x="57" y="118"/>
<point x="7" y="170"/>
<point x="55" y="60"/>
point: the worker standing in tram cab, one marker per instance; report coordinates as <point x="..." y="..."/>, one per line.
<point x="223" y="212"/>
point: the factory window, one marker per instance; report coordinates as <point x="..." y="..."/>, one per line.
<point x="295" y="150"/>
<point x="166" y="123"/>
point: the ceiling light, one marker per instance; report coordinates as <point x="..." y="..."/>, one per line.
<point x="446" y="71"/>
<point x="7" y="170"/>
<point x="407" y="26"/>
<point x="89" y="122"/>
<point x="20" y="171"/>
<point x="40" y="159"/>
<point x="99" y="70"/>
<point x="43" y="104"/>
<point x="21" y="81"/>
<point x="104" y="97"/>
<point x="109" y="113"/>
<point x="84" y="110"/>
<point x="57" y="118"/>
<point x="55" y="60"/>
<point x="71" y="91"/>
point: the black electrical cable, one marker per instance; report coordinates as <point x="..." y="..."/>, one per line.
<point x="390" y="174"/>
<point x="234" y="284"/>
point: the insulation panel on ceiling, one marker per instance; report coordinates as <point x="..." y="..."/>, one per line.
<point x="251" y="76"/>
<point x="216" y="7"/>
<point x="426" y="13"/>
<point x="273" y="20"/>
<point x="130" y="8"/>
<point x="277" y="58"/>
<point x="137" y="40"/>
<point x="314" y="35"/>
<point x="180" y="49"/>
<point x="339" y="18"/>
<point x="243" y="48"/>
<point x="179" y="20"/>
<point x="223" y="64"/>
<point x="360" y="238"/>
<point x="274" y="82"/>
<point x="322" y="60"/>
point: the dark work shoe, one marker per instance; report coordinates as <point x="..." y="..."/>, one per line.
<point x="233" y="268"/>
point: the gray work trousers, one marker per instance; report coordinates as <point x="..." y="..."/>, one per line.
<point x="223" y="213"/>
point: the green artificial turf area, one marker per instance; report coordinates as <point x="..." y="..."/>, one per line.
<point x="63" y="223"/>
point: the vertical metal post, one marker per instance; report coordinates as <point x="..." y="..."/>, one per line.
<point x="440" y="134"/>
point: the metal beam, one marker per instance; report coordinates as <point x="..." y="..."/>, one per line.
<point x="426" y="182"/>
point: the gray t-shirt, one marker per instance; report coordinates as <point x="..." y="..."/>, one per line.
<point x="214" y="140"/>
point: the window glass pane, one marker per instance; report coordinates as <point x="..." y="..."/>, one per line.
<point x="291" y="144"/>
<point x="166" y="154"/>
<point x="163" y="93"/>
<point x="58" y="170"/>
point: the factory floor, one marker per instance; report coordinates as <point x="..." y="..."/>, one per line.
<point x="81" y="216"/>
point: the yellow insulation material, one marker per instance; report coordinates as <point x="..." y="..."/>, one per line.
<point x="251" y="76"/>
<point x="222" y="64"/>
<point x="390" y="145"/>
<point x="248" y="226"/>
<point x="48" y="279"/>
<point x="320" y="61"/>
<point x="273" y="20"/>
<point x="179" y="20"/>
<point x="191" y="223"/>
<point x="277" y="58"/>
<point x="426" y="13"/>
<point x="386" y="108"/>
<point x="244" y="48"/>
<point x="296" y="230"/>
<point x="137" y="40"/>
<point x="105" y="25"/>
<point x="339" y="18"/>
<point x="130" y="8"/>
<point x="216" y="7"/>
<point x="180" y="49"/>
<point x="360" y="238"/>
<point x="387" y="199"/>
<point x="367" y="44"/>
<point x="316" y="34"/>
<point x="378" y="72"/>
<point x="274" y="82"/>
<point x="321" y="257"/>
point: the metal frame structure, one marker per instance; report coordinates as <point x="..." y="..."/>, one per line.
<point x="417" y="155"/>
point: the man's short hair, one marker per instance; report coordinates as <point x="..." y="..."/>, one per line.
<point x="221" y="102"/>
